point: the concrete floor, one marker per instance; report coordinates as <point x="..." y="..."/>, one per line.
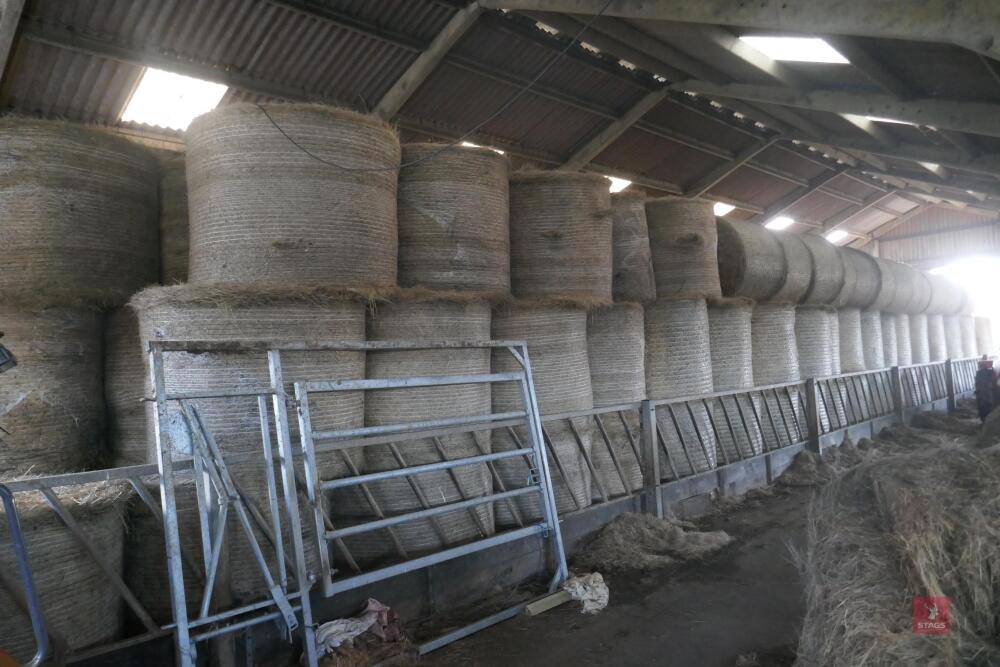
<point x="747" y="598"/>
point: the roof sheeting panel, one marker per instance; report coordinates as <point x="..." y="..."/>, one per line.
<point x="817" y="207"/>
<point x="791" y="163"/>
<point x="750" y="185"/>
<point x="700" y="125"/>
<point x="651" y="156"/>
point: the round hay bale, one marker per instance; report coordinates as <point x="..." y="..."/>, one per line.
<point x="632" y="261"/>
<point x="684" y="245"/>
<point x="798" y="269"/>
<point x="953" y="337"/>
<point x="886" y="285"/>
<point x="80" y="605"/>
<point x="967" y="324"/>
<point x="946" y="297"/>
<point x="904" y="278"/>
<point x="560" y="236"/>
<point x="173" y="221"/>
<point x="751" y="260"/>
<point x="79" y="213"/>
<point x="262" y="210"/>
<point x="904" y="343"/>
<point x="871" y="340"/>
<point x="454" y="229"/>
<point x="846" y="294"/>
<point x="776" y="361"/>
<point x="919" y="341"/>
<point x="145" y="552"/>
<point x="557" y="345"/>
<point x="827" y="277"/>
<point x="616" y="346"/>
<point x="921" y="293"/>
<point x="984" y="336"/>
<point x="834" y="340"/>
<point x="852" y="355"/>
<point x="732" y="370"/>
<point x="428" y="319"/>
<point x="890" y="349"/>
<point x="125" y="378"/>
<point x="814" y="341"/>
<point x="51" y="403"/>
<point x="868" y="283"/>
<point x="937" y="344"/>
<point x="679" y="364"/>
<point x="227" y="313"/>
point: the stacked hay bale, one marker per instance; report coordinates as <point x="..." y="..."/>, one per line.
<point x="125" y="371"/>
<point x="953" y="336"/>
<point x="890" y="354"/>
<point x="683" y="241"/>
<point x="814" y="341"/>
<point x="917" y="319"/>
<point x="970" y="347"/>
<point x="861" y="288"/>
<point x="173" y="221"/>
<point x="871" y="340"/>
<point x="729" y="329"/>
<point x="751" y="261"/>
<point x="633" y="279"/>
<point x="936" y="339"/>
<point x="777" y="364"/>
<point x="827" y="277"/>
<point x="943" y="331"/>
<point x="80" y="606"/>
<point x="984" y="336"/>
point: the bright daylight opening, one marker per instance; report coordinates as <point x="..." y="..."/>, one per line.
<point x="979" y="276"/>
<point x="721" y="209"/>
<point x="781" y="222"/>
<point x="171" y="100"/>
<point x="836" y="235"/>
<point x="618" y="184"/>
<point x="797" y="49"/>
<point x="469" y="144"/>
<point x="880" y="119"/>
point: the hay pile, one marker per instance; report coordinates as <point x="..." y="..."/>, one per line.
<point x="262" y="210"/>
<point x="644" y="542"/>
<point x="453" y="219"/>
<point x="632" y="262"/>
<point x="729" y="333"/>
<point x="683" y="241"/>
<point x="125" y="371"/>
<point x="923" y="523"/>
<point x="173" y="221"/>
<point x="942" y="421"/>
<point x="560" y="236"/>
<point x="827" y="279"/>
<point x="751" y="260"/>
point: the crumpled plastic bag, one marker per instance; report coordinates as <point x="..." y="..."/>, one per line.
<point x="590" y="590"/>
<point x="380" y="619"/>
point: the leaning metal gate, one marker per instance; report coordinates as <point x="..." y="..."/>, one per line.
<point x="287" y="576"/>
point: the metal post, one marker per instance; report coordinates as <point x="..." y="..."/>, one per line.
<point x="949" y="383"/>
<point x="164" y="458"/>
<point x="898" y="397"/>
<point x="652" y="501"/>
<point x="24" y="567"/>
<point x="812" y="417"/>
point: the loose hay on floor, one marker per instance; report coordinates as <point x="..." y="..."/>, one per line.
<point x="642" y="541"/>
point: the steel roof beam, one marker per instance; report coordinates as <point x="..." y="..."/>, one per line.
<point x="794" y="197"/>
<point x="719" y="173"/>
<point x="596" y="145"/>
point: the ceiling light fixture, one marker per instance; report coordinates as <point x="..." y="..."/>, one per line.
<point x="894" y="121"/>
<point x="722" y="209"/>
<point x="618" y="184"/>
<point x="836" y="235"/>
<point x="779" y="223"/>
<point x="796" y="49"/>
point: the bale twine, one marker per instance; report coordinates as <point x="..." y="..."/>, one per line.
<point x="871" y="340"/>
<point x="632" y="262"/>
<point x="125" y="377"/>
<point x="827" y="277"/>
<point x="684" y="245"/>
<point x="852" y="355"/>
<point x="776" y="361"/>
<point x="616" y="347"/>
<point x="834" y="340"/>
<point x="798" y="269"/>
<point x="815" y="343"/>
<point x="428" y="319"/>
<point x="919" y="341"/>
<point x="886" y="286"/>
<point x="846" y="294"/>
<point x="80" y="605"/>
<point x="557" y="345"/>
<point x="145" y="552"/>
<point x="984" y="336"/>
<point x="173" y="221"/>
<point x="921" y="293"/>
<point x="904" y="343"/>
<point x="79" y="214"/>
<point x="731" y="351"/>
<point x="890" y="349"/>
<point x="751" y="260"/>
<point x="51" y="403"/>
<point x="679" y="364"/>
<point x="937" y="344"/>
<point x="263" y="210"/>
<point x="868" y="278"/>
<point x="453" y="219"/>
<point x="953" y="336"/>
<point x="967" y="324"/>
<point x="560" y="236"/>
<point x="225" y="313"/>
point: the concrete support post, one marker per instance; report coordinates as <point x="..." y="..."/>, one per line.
<point x="949" y="383"/>
<point x="812" y="417"/>
<point x="898" y="397"/>
<point x="652" y="501"/>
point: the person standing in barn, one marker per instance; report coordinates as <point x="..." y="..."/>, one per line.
<point x="986" y="386"/>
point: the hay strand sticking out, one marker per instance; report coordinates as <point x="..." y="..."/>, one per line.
<point x="937" y="343"/>
<point x="868" y="283"/>
<point x="684" y="245"/>
<point x="890" y="342"/>
<point x="871" y="340"/>
<point x="262" y="210"/>
<point x="852" y="348"/>
<point x="632" y="262"/>
<point x="751" y="260"/>
<point x="827" y="277"/>
<point x="984" y="336"/>
<point x="919" y="341"/>
<point x="51" y="403"/>
<point x="904" y="343"/>
<point x="124" y="381"/>
<point x="173" y="221"/>
<point x="798" y="269"/>
<point x="79" y="212"/>
<point x="454" y="219"/>
<point x="560" y="235"/>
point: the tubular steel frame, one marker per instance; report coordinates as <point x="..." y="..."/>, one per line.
<point x="817" y="406"/>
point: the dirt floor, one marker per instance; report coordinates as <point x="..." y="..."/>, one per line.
<point x="745" y="599"/>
